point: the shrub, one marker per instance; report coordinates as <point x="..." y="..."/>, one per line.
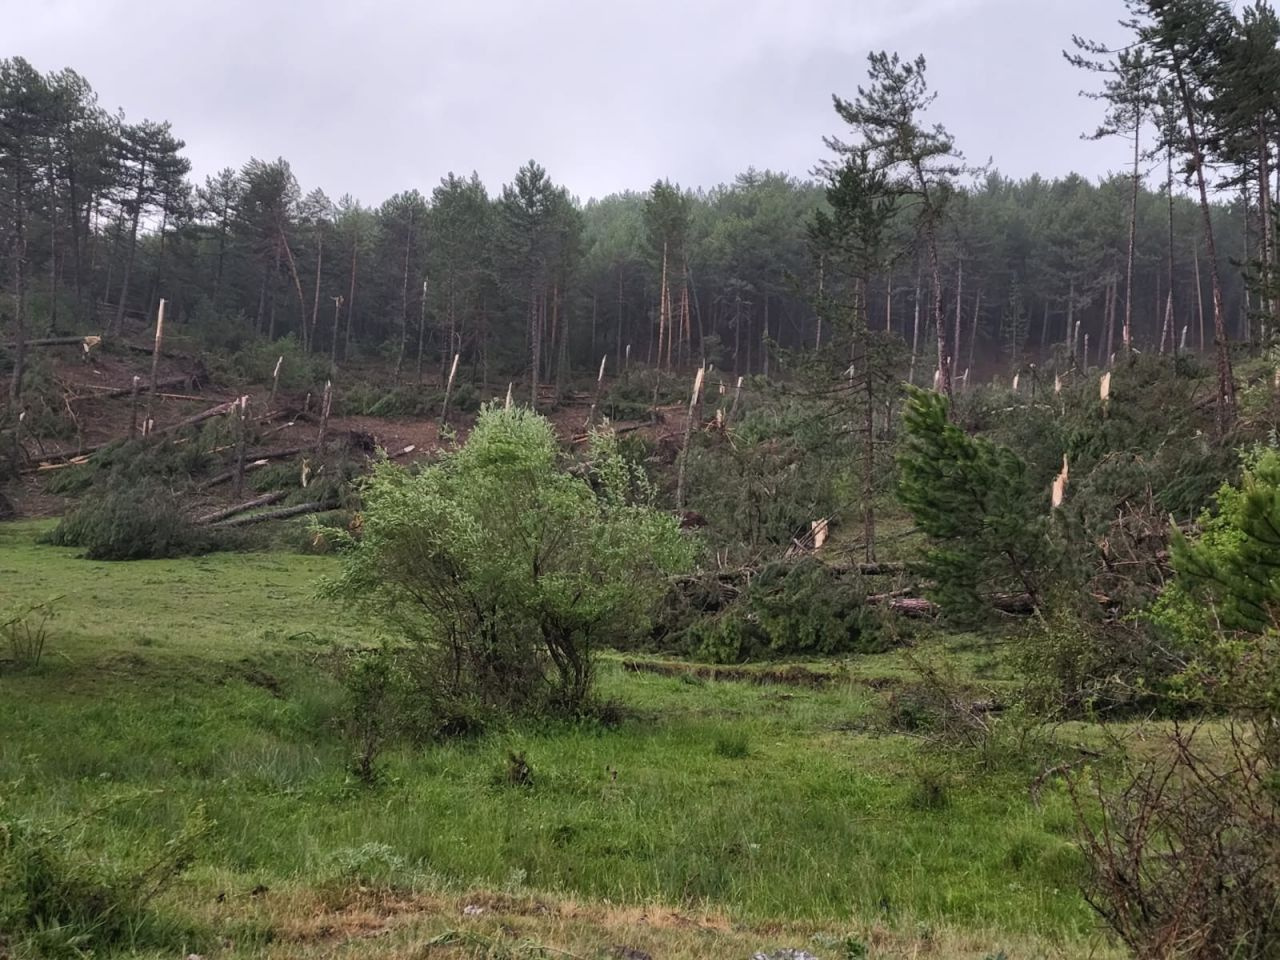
<point x="132" y="523"/>
<point x="1222" y="607"/>
<point x="499" y="574"/>
<point x="1076" y="667"/>
<point x="1184" y="854"/>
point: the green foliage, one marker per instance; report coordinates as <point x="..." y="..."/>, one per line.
<point x="732" y="746"/>
<point x="789" y="609"/>
<point x="1074" y="666"/>
<point x="785" y="464"/>
<point x="142" y="522"/>
<point x="255" y="362"/>
<point x="58" y="900"/>
<point x="501" y="573"/>
<point x="985" y="521"/>
<point x="375" y="685"/>
<point x="146" y="460"/>
<point x="1224" y="602"/>
<point x="25" y="631"/>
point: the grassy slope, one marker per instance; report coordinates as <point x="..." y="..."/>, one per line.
<point x="175" y="684"/>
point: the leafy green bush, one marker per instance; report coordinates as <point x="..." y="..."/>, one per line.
<point x="132" y="523"/>
<point x="500" y="573"/>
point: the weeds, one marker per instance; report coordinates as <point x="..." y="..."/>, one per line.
<point x="58" y="900"/>
<point x="27" y="631"/>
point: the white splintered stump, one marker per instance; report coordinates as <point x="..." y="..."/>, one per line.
<point x="1060" y="484"/>
<point x="155" y="361"/>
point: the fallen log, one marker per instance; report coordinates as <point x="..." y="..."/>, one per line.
<point x="111" y="393"/>
<point x="200" y="417"/>
<point x="49" y="342"/>
<point x="255" y="461"/>
<point x="263" y="501"/>
<point x="915" y="608"/>
<point x="283" y="513"/>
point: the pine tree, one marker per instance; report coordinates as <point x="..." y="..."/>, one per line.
<point x="973" y="499"/>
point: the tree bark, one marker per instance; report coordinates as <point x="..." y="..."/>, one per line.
<point x="1226" y="397"/>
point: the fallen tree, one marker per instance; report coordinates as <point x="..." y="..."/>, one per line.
<point x="263" y="501"/>
<point x="282" y="513"/>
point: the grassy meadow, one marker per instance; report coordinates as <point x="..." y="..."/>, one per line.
<point x="716" y="817"/>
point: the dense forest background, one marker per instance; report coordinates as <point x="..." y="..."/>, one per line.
<point x="100" y="219"/>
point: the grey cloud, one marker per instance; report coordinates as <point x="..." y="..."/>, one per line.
<point x="375" y="97"/>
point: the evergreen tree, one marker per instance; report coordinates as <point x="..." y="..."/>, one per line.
<point x="974" y="500"/>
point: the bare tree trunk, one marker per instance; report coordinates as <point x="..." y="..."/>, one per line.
<point x="18" y="255"/>
<point x="1199" y="298"/>
<point x="448" y="390"/>
<point x="333" y="339"/>
<point x="915" y="335"/>
<point x="351" y="302"/>
<point x="688" y="432"/>
<point x="309" y="341"/>
<point x="973" y="332"/>
<point x="869" y="466"/>
<point x="1133" y="231"/>
<point x="1113" y="294"/>
<point x="822" y="270"/>
<point x="888" y="302"/>
<point x="297" y="282"/>
<point x="1226" y="398"/>
<point x="1264" y="204"/>
<point x="422" y="328"/>
<point x="618" y="344"/>
<point x="662" y="303"/>
<point x="955" y="357"/>
<point x="1169" y="306"/>
<point x="133" y="247"/>
<point x="535" y="334"/>
<point x="155" y="369"/>
<point x="404" y="298"/>
<point x="764" y="337"/>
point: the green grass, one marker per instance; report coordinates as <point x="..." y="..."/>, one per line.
<point x="175" y="685"/>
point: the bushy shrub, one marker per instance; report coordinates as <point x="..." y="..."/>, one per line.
<point x="1184" y="854"/>
<point x="499" y="574"/>
<point x="132" y="523"/>
<point x="1075" y="666"/>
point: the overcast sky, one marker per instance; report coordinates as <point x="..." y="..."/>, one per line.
<point x="375" y="96"/>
